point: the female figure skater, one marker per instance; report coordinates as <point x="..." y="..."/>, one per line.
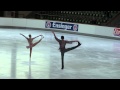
<point x="30" y="41"/>
<point x="62" y="48"/>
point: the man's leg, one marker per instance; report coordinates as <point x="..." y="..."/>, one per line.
<point x="62" y="58"/>
<point x="69" y="49"/>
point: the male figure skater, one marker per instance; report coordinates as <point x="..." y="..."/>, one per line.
<point x="30" y="41"/>
<point x="62" y="48"/>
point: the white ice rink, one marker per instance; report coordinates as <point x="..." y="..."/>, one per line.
<point x="96" y="58"/>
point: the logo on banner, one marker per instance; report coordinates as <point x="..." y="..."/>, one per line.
<point x="117" y="32"/>
<point x="61" y="25"/>
<point x="48" y="25"/>
<point x="75" y="27"/>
